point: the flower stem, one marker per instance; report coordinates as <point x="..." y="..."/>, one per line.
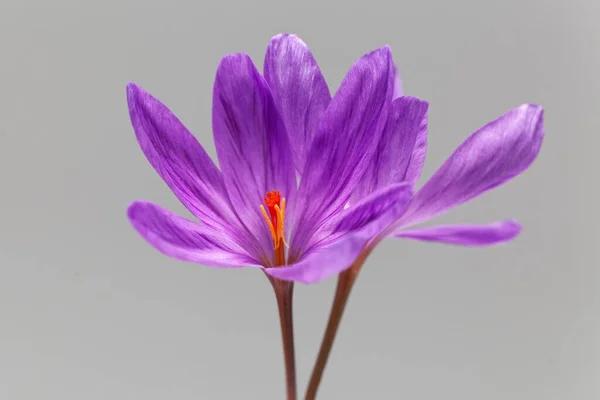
<point x="344" y="286"/>
<point x="284" y="293"/>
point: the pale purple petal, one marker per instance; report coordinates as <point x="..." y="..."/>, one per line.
<point x="419" y="151"/>
<point x="354" y="232"/>
<point x="465" y="235"/>
<point x="185" y="240"/>
<point x="397" y="84"/>
<point x="401" y="151"/>
<point x="491" y="156"/>
<point x="252" y="144"/>
<point x="346" y="136"/>
<point x="374" y="206"/>
<point x="298" y="88"/>
<point x="178" y="158"/>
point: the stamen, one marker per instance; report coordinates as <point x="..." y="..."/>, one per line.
<point x="280" y="224"/>
<point x="275" y="218"/>
<point x="269" y="224"/>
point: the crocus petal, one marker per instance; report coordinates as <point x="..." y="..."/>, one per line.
<point x="419" y="151"/>
<point x="397" y="84"/>
<point x="359" y="226"/>
<point x="252" y="143"/>
<point x="178" y="157"/>
<point x="499" y="151"/>
<point x="466" y="235"/>
<point x="346" y="136"/>
<point x="373" y="207"/>
<point x="299" y="89"/>
<point x="323" y="263"/>
<point x="185" y="240"/>
<point x="401" y="151"/>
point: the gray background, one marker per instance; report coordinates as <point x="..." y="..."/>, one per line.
<point x="89" y="311"/>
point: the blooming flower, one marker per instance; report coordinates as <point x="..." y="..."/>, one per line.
<point x="290" y="156"/>
<point x="357" y="157"/>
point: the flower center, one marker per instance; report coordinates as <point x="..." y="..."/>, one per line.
<point x="275" y="222"/>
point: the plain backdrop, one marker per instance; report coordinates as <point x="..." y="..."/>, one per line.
<point x="89" y="311"/>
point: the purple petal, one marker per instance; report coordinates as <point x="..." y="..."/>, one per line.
<point x="397" y="84"/>
<point x="299" y="89"/>
<point x="185" y="240"/>
<point x="178" y="157"/>
<point x="466" y="235"/>
<point x="323" y="263"/>
<point x="401" y="151"/>
<point x="346" y="136"/>
<point x="419" y="151"/>
<point x="499" y="151"/>
<point x="251" y="142"/>
<point x="374" y="206"/>
<point x="360" y="225"/>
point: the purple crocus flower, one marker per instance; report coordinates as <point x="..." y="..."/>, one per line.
<point x="290" y="156"/>
<point x="357" y="156"/>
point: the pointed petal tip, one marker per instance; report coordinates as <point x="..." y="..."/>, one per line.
<point x="136" y="213"/>
<point x="535" y="111"/>
<point x="134" y="89"/>
<point x="512" y="226"/>
<point x="233" y="58"/>
<point x="133" y="207"/>
<point x="381" y="54"/>
<point x="533" y="107"/>
<point x="131" y="89"/>
<point x="136" y="95"/>
<point x="285" y="36"/>
<point x="509" y="229"/>
<point x="232" y="65"/>
<point x="383" y="51"/>
<point x="412" y="100"/>
<point x="136" y="208"/>
<point x="380" y="61"/>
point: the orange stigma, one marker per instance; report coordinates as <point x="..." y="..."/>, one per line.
<point x="272" y="199"/>
<point x="275" y="222"/>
